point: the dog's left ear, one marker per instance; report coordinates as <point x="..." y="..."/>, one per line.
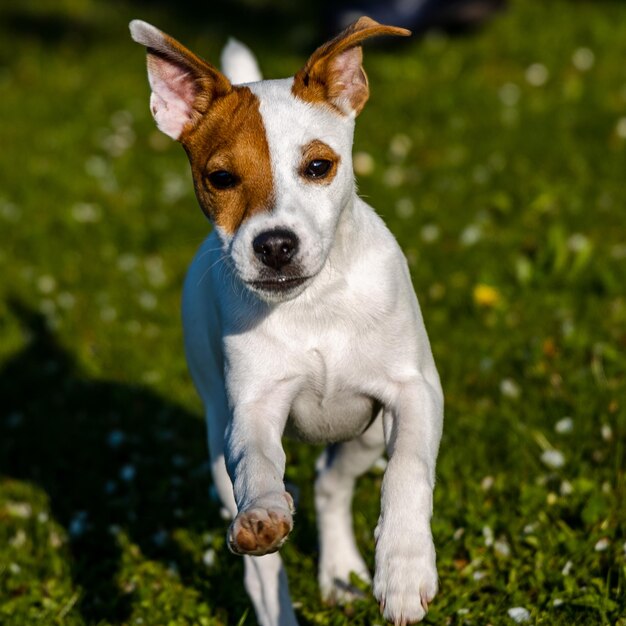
<point x="334" y="73"/>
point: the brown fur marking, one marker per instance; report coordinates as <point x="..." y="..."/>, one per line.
<point x="320" y="80"/>
<point x="231" y="136"/>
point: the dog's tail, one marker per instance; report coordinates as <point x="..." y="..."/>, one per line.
<point x="239" y="64"/>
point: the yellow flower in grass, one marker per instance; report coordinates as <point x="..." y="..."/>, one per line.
<point x="487" y="296"/>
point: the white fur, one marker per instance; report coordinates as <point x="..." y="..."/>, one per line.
<point x="239" y="64"/>
<point x="321" y="363"/>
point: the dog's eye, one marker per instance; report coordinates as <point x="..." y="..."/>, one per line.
<point x="318" y="168"/>
<point x="221" y="179"/>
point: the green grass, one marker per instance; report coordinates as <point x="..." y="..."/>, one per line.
<point x="499" y="161"/>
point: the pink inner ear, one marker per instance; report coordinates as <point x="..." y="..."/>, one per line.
<point x="173" y="95"/>
<point x="349" y="89"/>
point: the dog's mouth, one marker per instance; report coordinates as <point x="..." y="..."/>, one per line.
<point x="278" y="284"/>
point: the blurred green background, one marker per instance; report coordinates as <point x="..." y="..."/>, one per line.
<point x="497" y="158"/>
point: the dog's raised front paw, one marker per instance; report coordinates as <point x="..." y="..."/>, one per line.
<point x="405" y="581"/>
<point x="262" y="528"/>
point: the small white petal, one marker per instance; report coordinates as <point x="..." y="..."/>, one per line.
<point x="607" y="432"/>
<point x="602" y="544"/>
<point x="502" y="547"/>
<point x="553" y="458"/>
<point x="509" y="388"/>
<point x="564" y="426"/>
<point x="519" y="614"/>
<point x="487" y="483"/>
<point x="46" y="284"/>
<point x="537" y="74"/>
<point x="488" y="535"/>
<point x="208" y="558"/>
<point x="583" y="59"/>
<point x="363" y="163"/>
<point x="430" y="233"/>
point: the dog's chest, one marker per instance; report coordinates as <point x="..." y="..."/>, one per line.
<point x="328" y="407"/>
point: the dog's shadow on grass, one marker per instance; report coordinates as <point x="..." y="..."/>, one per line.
<point x="110" y="457"/>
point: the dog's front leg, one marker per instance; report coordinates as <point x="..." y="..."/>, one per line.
<point x="256" y="464"/>
<point x="405" y="579"/>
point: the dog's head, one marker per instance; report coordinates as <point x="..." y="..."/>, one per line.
<point x="271" y="160"/>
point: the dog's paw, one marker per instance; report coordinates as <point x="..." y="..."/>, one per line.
<point x="405" y="581"/>
<point x="262" y="528"/>
<point x="334" y="577"/>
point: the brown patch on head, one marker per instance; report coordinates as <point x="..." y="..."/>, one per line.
<point x="314" y="154"/>
<point x="219" y="125"/>
<point x="333" y="74"/>
<point x="230" y="137"/>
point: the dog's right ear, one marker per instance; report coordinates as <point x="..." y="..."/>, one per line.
<point x="183" y="85"/>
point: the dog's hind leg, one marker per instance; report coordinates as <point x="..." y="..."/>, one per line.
<point x="266" y="583"/>
<point x="338" y="468"/>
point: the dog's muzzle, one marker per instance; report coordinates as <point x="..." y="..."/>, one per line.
<point x="277" y="249"/>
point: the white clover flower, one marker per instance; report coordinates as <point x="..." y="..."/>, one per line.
<point x="537" y="74"/>
<point x="209" y="557"/>
<point x="502" y="547"/>
<point x="86" y="213"/>
<point x="430" y="233"/>
<point x="602" y="544"/>
<point x="363" y="163"/>
<point x="509" y="94"/>
<point x="488" y="535"/>
<point x="553" y="458"/>
<point x="148" y="301"/>
<point x="18" y="540"/>
<point x="46" y="284"/>
<point x="564" y="426"/>
<point x="471" y="235"/>
<point x="583" y="59"/>
<point x="509" y="388"/>
<point x="487" y="483"/>
<point x="519" y="614"/>
<point x="400" y="146"/>
<point x="607" y="432"/>
<point x="22" y="510"/>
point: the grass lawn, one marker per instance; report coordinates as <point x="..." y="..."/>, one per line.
<point x="498" y="160"/>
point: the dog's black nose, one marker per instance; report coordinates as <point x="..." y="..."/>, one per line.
<point x="275" y="248"/>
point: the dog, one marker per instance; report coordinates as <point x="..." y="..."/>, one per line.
<point x="300" y="319"/>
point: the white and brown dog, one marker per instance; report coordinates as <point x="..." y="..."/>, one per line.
<point x="300" y="318"/>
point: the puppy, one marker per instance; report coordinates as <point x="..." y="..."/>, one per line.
<point x="300" y="318"/>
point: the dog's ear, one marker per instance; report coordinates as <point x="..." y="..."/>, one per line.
<point x="183" y="85"/>
<point x="334" y="74"/>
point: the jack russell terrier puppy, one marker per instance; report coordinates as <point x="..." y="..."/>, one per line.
<point x="300" y="318"/>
